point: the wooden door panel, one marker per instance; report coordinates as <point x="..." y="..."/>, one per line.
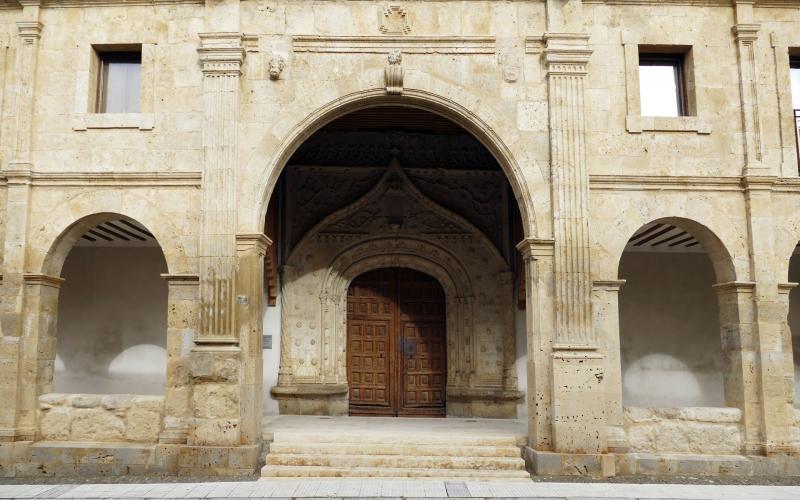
<point x="396" y="344"/>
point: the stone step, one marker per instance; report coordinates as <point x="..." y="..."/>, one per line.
<point x="398" y="461"/>
<point x="414" y="450"/>
<point x="273" y="471"/>
<point x="414" y="439"/>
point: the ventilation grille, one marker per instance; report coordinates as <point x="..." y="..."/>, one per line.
<point x="117" y="233"/>
<point x="659" y="237"/>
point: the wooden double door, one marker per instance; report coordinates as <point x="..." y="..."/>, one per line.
<point x="396" y="344"/>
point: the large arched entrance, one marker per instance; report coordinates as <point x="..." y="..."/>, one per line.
<point x="395" y="187"/>
<point x="396" y="344"/>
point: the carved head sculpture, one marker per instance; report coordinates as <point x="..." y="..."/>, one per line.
<point x="276" y="65"/>
<point x="395" y="57"/>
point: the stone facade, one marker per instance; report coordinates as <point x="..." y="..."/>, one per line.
<point x="231" y="89"/>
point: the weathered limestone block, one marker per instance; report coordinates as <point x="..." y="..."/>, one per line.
<point x="684" y="430"/>
<point x="96" y="425"/>
<point x="55" y="424"/>
<point x="143" y="425"/>
<point x="102" y="418"/>
<point x="216" y="401"/>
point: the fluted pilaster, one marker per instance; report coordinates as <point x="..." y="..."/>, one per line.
<point x="221" y="56"/>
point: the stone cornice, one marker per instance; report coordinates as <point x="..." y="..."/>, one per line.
<point x="663" y="182"/>
<point x="696" y="3"/>
<point x="406" y="44"/>
<point x="113" y="179"/>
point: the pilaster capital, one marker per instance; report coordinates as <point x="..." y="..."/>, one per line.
<point x="734" y="287"/>
<point x="221" y="54"/>
<point x="608" y="285"/>
<point x="567" y="53"/>
<point x="746" y="32"/>
<point x="256" y="242"/>
<point x="29" y="31"/>
<point x="36" y="279"/>
<point x="536" y="249"/>
<point x="181" y="279"/>
<point x="786" y="288"/>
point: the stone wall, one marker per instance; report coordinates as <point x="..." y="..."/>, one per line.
<point x="96" y="418"/>
<point x="712" y="431"/>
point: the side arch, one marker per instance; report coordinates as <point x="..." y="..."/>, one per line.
<point x="721" y="259"/>
<point x="59" y="249"/>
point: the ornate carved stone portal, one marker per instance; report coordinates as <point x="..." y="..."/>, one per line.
<point x="395" y="225"/>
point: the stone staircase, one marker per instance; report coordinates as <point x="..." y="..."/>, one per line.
<point x="395" y="455"/>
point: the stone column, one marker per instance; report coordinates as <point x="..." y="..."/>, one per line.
<point x="579" y="421"/>
<point x="737" y="329"/>
<point x="539" y="325"/>
<point x="19" y="378"/>
<point x="768" y="316"/>
<point x="182" y="316"/>
<point x="251" y="250"/>
<point x="606" y="325"/>
<point x="221" y="363"/>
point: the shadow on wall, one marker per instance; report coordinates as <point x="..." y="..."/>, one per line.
<point x="794" y="321"/>
<point x="669" y="331"/>
<point x="112" y="322"/>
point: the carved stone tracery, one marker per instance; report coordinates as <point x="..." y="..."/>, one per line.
<point x="396" y="225"/>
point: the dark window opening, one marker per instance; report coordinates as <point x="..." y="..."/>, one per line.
<point x="119" y="81"/>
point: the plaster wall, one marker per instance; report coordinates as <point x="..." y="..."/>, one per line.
<point x="112" y="322"/>
<point x="272" y="357"/>
<point x="669" y="331"/>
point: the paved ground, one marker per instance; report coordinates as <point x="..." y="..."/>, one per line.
<point x="334" y="488"/>
<point x="455" y="427"/>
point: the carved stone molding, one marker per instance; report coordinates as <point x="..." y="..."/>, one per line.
<point x="257" y="242"/>
<point x="221" y="54"/>
<point x="394" y="21"/>
<point x="29" y="31"/>
<point x="43" y="280"/>
<point x="394" y="73"/>
<point x="381" y="44"/>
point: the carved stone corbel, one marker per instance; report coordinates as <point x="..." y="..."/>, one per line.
<point x="394" y="73"/>
<point x="276" y="65"/>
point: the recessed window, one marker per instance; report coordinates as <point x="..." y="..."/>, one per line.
<point x="119" y="81"/>
<point x="662" y="84"/>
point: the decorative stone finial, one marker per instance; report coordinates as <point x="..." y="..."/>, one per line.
<point x="276" y="65"/>
<point x="394" y="73"/>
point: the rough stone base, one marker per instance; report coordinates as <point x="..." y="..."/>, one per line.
<point x="546" y="463"/>
<point x="72" y="459"/>
<point x="648" y="464"/>
<point x="312" y="399"/>
<point x="483" y="403"/>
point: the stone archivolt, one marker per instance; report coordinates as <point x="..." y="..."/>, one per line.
<point x="395" y="225"/>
